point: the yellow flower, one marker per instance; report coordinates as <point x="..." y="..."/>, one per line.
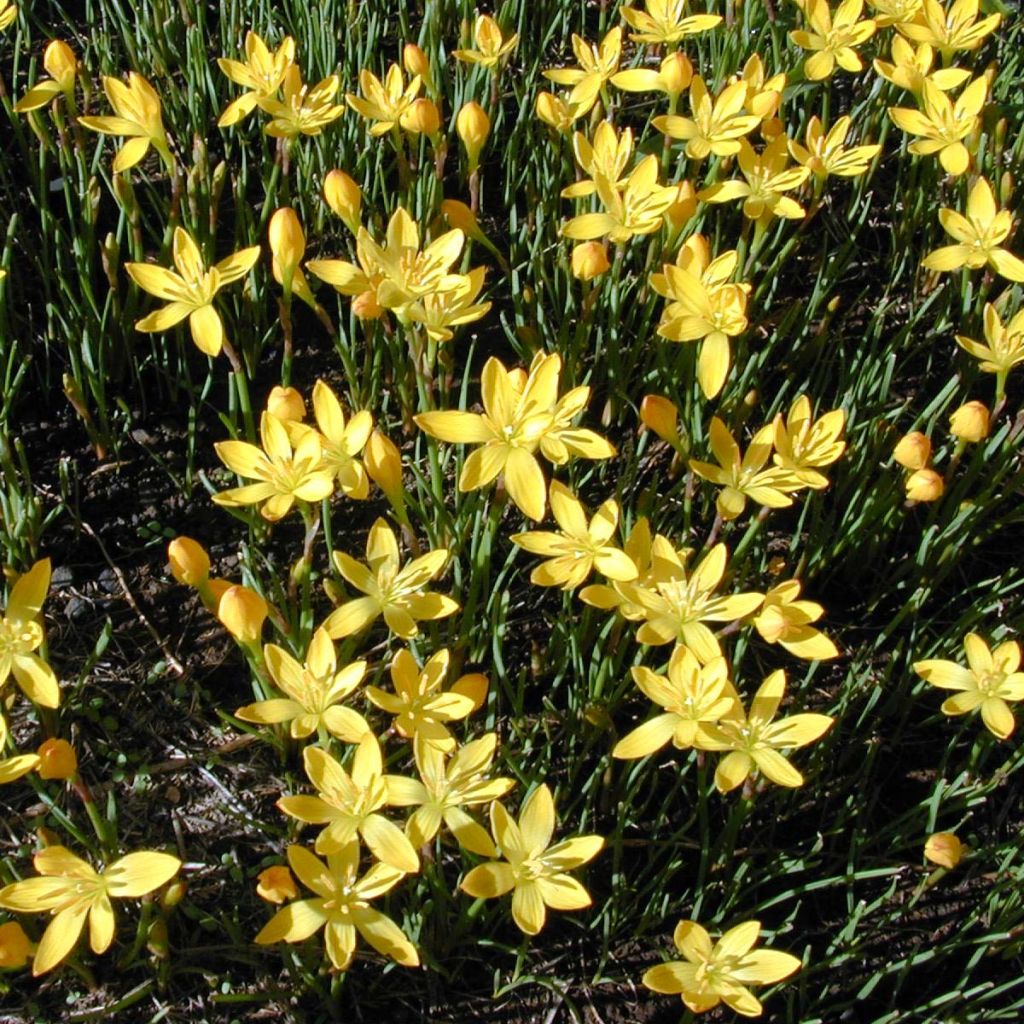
<point x="636" y="210"/>
<point x="72" y="890"/>
<point x="522" y="413"/>
<point x="768" y="176"/>
<point x="439" y="312"/>
<point x="678" y="603"/>
<point x="911" y="66"/>
<point x="240" y="611"/>
<point x="348" y="804"/>
<point x="419" y="704"/>
<point x="473" y="126"/>
<point x="944" y="849"/>
<point x="589" y="260"/>
<point x="15" y="947"/>
<point x="786" y="621"/>
<point x="554" y="111"/>
<point x="8" y="12"/>
<point x="1004" y="343"/>
<point x="970" y="423"/>
<point x="389" y="589"/>
<point x="57" y="759"/>
<point x="344" y="197"/>
<point x="360" y="282"/>
<point x="803" y="445"/>
<point x="720" y="972"/>
<point x="925" y="485"/>
<point x="978" y="235"/>
<point x="892" y="12"/>
<point x="754" y="740"/>
<point x="832" y="39"/>
<point x="276" y="885"/>
<point x="190" y="291"/>
<point x="534" y="870"/>
<point x="991" y="679"/>
<point x="21" y="633"/>
<point x="262" y="75"/>
<point x="825" y="154"/>
<point x="949" y="30"/>
<point x="742" y="477"/>
<point x="716" y="125"/>
<point x="60" y="62"/>
<point x="446" y="789"/>
<point x="385" y="103"/>
<point x="943" y="124"/>
<point x="302" y="109"/>
<point x="607" y="157"/>
<point x="285" y="474"/>
<point x="665" y="22"/>
<point x="137" y="107"/>
<point x="763" y="94"/>
<point x="341" y="906"/>
<point x="491" y="48"/>
<point x="641" y="549"/>
<point x="580" y="548"/>
<point x="913" y="450"/>
<point x="691" y="694"/>
<point x="673" y="77"/>
<point x="597" y="64"/>
<point x="313" y="691"/>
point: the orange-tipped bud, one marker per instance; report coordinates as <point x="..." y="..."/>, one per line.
<point x="366" y="307"/>
<point x="287" y="245"/>
<point x="345" y="198"/>
<point x="913" y="450"/>
<point x="15" y="946"/>
<point x="473" y="126"/>
<point x="276" y="885"/>
<point x="416" y="62"/>
<point x="384" y="464"/>
<point x="944" y="849"/>
<point x="286" y="404"/>
<point x="242" y="612"/>
<point x="970" y="422"/>
<point x="589" y="260"/>
<point x="57" y="759"/>
<point x="925" y="485"/>
<point x="422" y="118"/>
<point x="190" y="564"/>
<point x="677" y="73"/>
<point x="661" y="416"/>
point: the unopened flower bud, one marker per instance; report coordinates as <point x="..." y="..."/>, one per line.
<point x="57" y="759"/>
<point x="661" y="416"/>
<point x="287" y="245"/>
<point x="242" y="612"/>
<point x="173" y="895"/>
<point x="589" y="260"/>
<point x="913" y="450"/>
<point x="344" y="197"/>
<point x="460" y="216"/>
<point x="924" y="485"/>
<point x="384" y="464"/>
<point x="677" y="73"/>
<point x="421" y="118"/>
<point x="473" y="126"/>
<point x="366" y="307"/>
<point x="190" y="564"/>
<point x="684" y="206"/>
<point x="61" y="65"/>
<point x="286" y="404"/>
<point x="157" y="941"/>
<point x="15" y="946"/>
<point x="970" y="422"/>
<point x="944" y="849"/>
<point x="417" y="63"/>
<point x="276" y="885"/>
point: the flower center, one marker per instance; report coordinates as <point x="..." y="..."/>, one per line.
<point x="19" y="637"/>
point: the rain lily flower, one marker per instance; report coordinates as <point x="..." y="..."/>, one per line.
<point x="421" y="707"/>
<point x="641" y="549"/>
<point x="764" y="95"/>
<point x="833" y="39"/>
<point x="826" y="154"/>
<point x="913" y="450"/>
<point x="342" y="907"/>
<point x="805" y="445"/>
<point x="138" y="118"/>
<point x="534" y="870"/>
<point x="262" y="75"/>
<point x="970" y="423"/>
<point x="912" y="65"/>
<point x="665" y="22"/>
<point x="287" y="247"/>
<point x="891" y="12"/>
<point x="597" y="64"/>
<point x="715" y="126"/>
<point x="768" y="176"/>
<point x="522" y="414"/>
<point x="991" y="679"/>
<point x="286" y="474"/>
<point x="949" y="30"/>
<point x="473" y="127"/>
<point x="21" y="633"/>
<point x="302" y="109"/>
<point x="754" y="740"/>
<point x="580" y="547"/>
<point x="190" y="291"/>
<point x="720" y="972"/>
<point x="557" y="113"/>
<point x="314" y="692"/>
<point x="786" y="621"/>
<point x="446" y="789"/>
<point x="72" y="890"/>
<point x="978" y="237"/>
<point x="942" y="124"/>
<point x="944" y="849"/>
<point x="691" y="694"/>
<point x="607" y="157"/>
<point x="61" y="64"/>
<point x="349" y="804"/>
<point x="389" y="589"/>
<point x="8" y="12"/>
<point x="744" y="476"/>
<point x="344" y="197"/>
<point x="673" y="77"/>
<point x="360" y="282"/>
<point x="277" y="885"/>
<point x="440" y="311"/>
<point x="925" y="485"/>
<point x="1004" y="343"/>
<point x="491" y="48"/>
<point x="386" y="103"/>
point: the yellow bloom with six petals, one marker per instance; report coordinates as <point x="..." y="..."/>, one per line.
<point x="666" y="22"/>
<point x="262" y="74"/>
<point x="491" y="48"/>
<point x="21" y="634"/>
<point x="833" y="39"/>
<point x="138" y="118"/>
